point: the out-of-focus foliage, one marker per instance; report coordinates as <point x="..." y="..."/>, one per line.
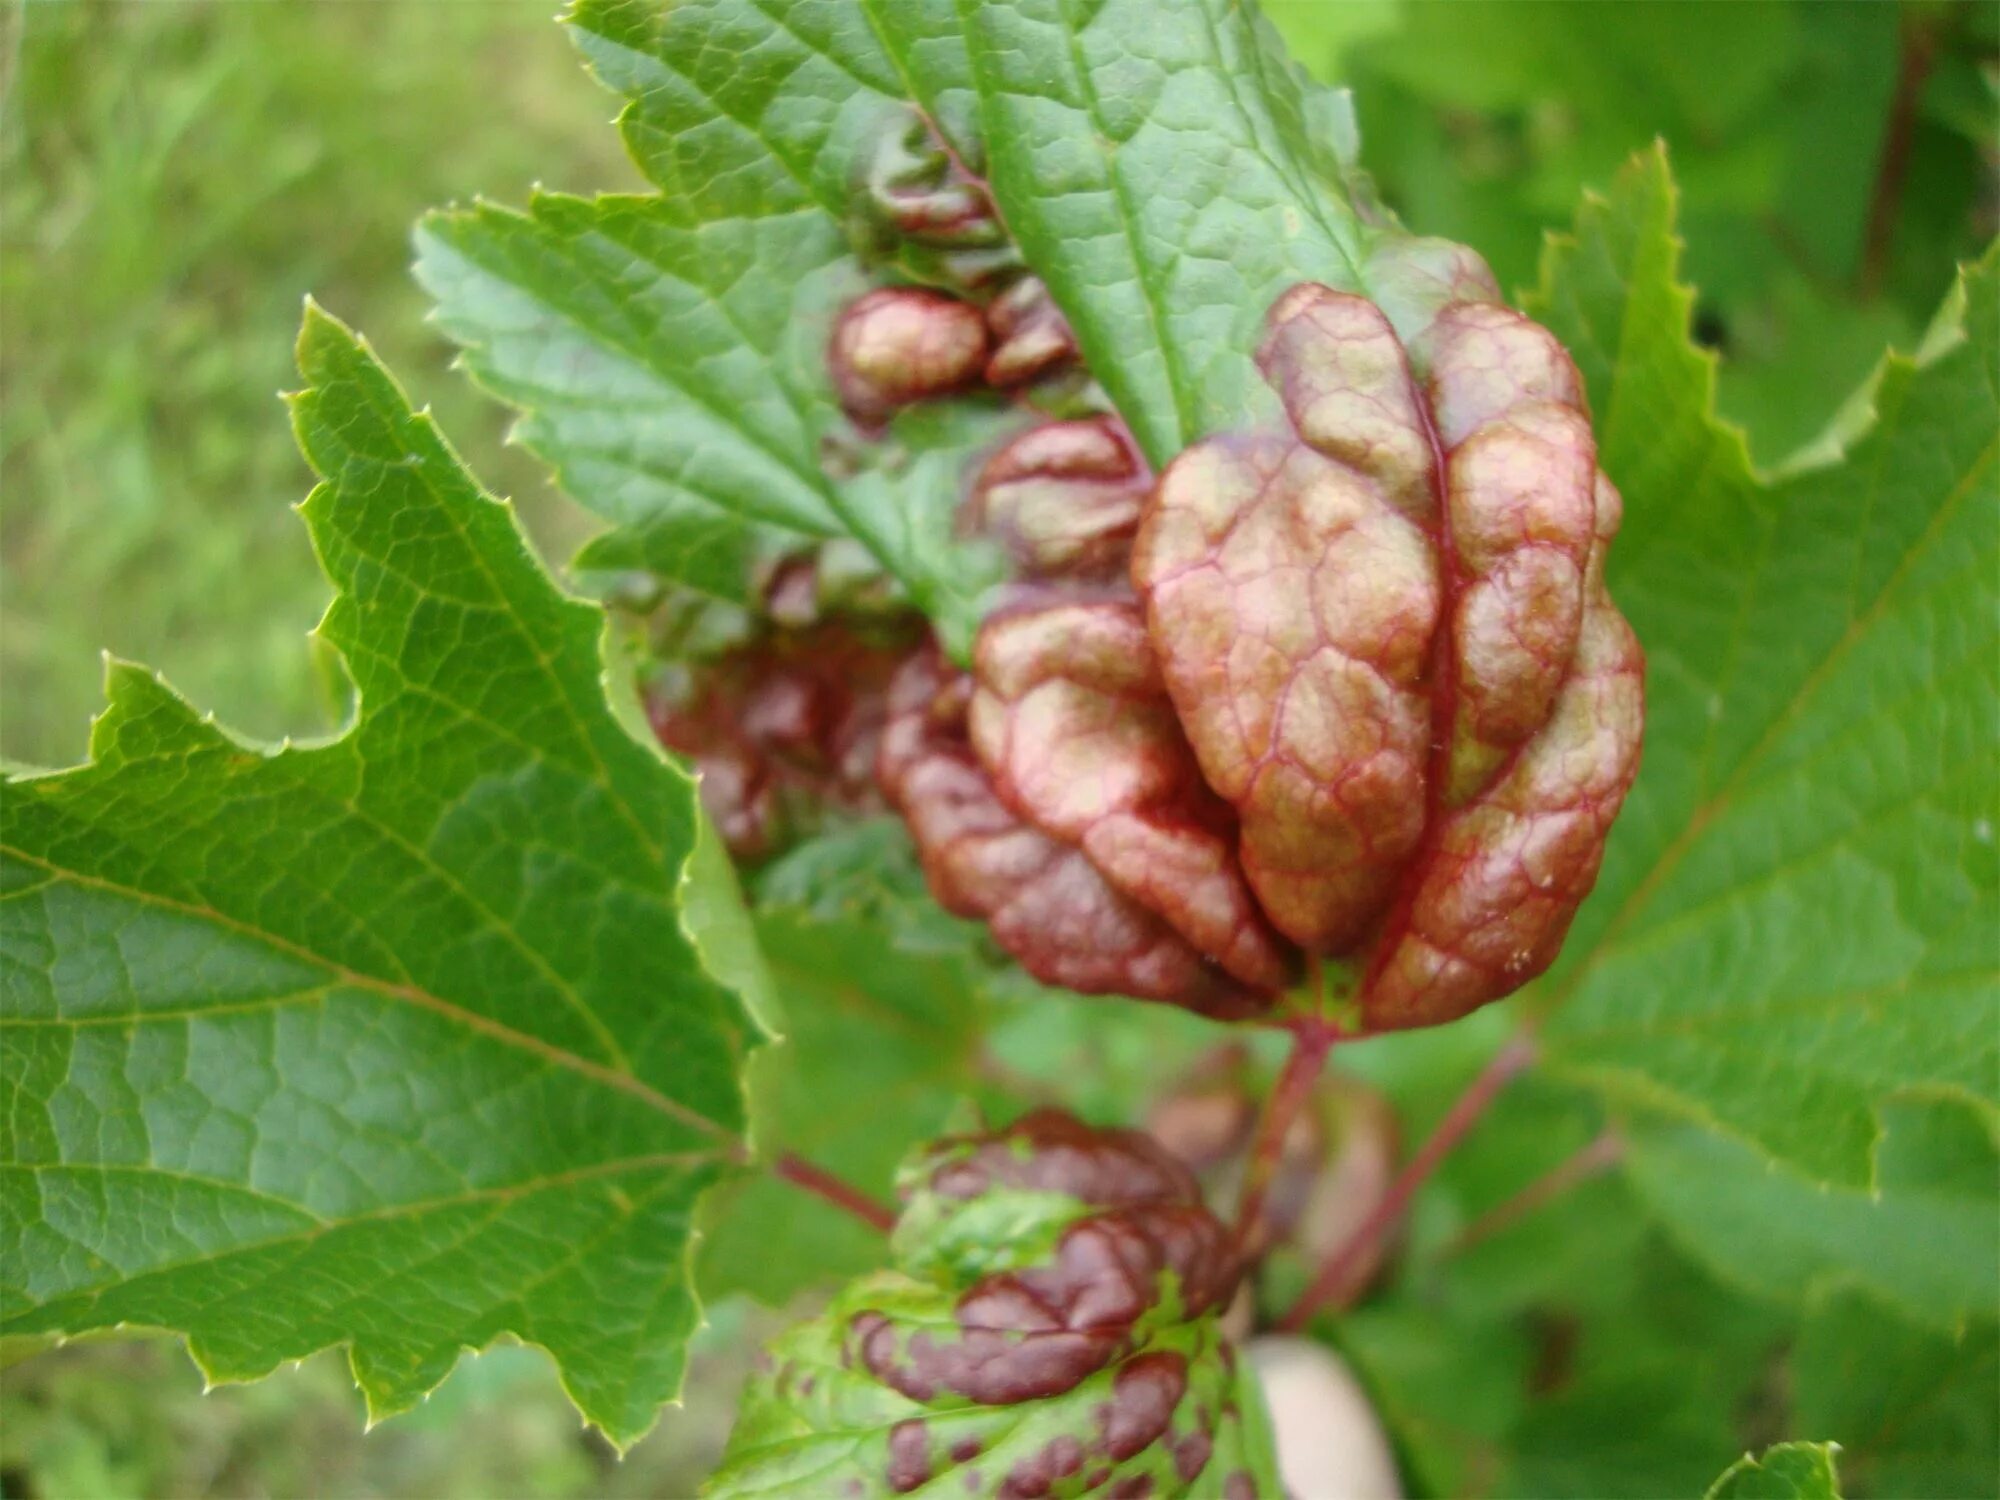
<point x="173" y="178"/>
<point x="122" y="1419"/>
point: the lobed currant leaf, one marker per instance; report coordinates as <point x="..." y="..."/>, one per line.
<point x="1794" y="922"/>
<point x="403" y="1040"/>
<point x="1049" y="1327"/>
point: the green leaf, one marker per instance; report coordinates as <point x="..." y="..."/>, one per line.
<point x="397" y="1040"/>
<point x="1915" y="1413"/>
<point x="1167" y="171"/>
<point x="1787" y="1471"/>
<point x="1623" y="1370"/>
<point x="668" y="351"/>
<point x="1794" y="921"/>
<point x="1923" y="1240"/>
<point x="878" y="1046"/>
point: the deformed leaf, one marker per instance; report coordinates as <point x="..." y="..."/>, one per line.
<point x="668" y="351"/>
<point x="1050" y="1327"/>
<point x="1167" y="172"/>
<point x="400" y="1040"/>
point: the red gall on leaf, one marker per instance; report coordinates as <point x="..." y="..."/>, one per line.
<point x="919" y="207"/>
<point x="1384" y="627"/>
<point x="780" y="730"/>
<point x="920" y="210"/>
<point x="1047" y="1327"/>
<point x="1045" y="900"/>
<point x="1063" y="499"/>
<point x="897" y="345"/>
<point x="1031" y="338"/>
<point x="1071" y="719"/>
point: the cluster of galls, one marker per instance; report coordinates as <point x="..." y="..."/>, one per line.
<point x="1342" y="690"/>
<point x="980" y="320"/>
<point x="783" y="723"/>
<point x="1046" y="1263"/>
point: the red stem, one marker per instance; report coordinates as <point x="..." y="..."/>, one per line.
<point x="1601" y="1154"/>
<point x="842" y="1195"/>
<point x="1310" y="1045"/>
<point x="1878" y="235"/>
<point x="1464" y="1113"/>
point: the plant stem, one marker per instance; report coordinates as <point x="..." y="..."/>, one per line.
<point x="1464" y="1113"/>
<point x="1601" y="1154"/>
<point x="1919" y="48"/>
<point x="841" y="1194"/>
<point x="1310" y="1045"/>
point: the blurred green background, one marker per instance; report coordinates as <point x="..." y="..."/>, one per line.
<point x="175" y="175"/>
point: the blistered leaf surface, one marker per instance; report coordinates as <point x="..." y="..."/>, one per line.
<point x="1384" y="625"/>
<point x="668" y="351"/>
<point x="1047" y="902"/>
<point x="1071" y="718"/>
<point x="1049" y="1328"/>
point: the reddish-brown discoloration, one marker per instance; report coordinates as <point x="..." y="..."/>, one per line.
<point x="1140" y="1248"/>
<point x="1191" y="1455"/>
<point x="1031" y="337"/>
<point x="791" y="721"/>
<point x="1046" y="902"/>
<point x="1047" y="1151"/>
<point x="1071" y="718"/>
<point x="1143" y="1397"/>
<point x="909" y="1456"/>
<point x="1041" y="1471"/>
<point x="901" y="344"/>
<point x="1036" y="1331"/>
<point x="1063" y="498"/>
<point x="1292" y="597"/>
<point x="1384" y="628"/>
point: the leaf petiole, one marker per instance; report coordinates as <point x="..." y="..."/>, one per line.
<point x="1311" y="1042"/>
<point x="827" y="1187"/>
<point x="1337" y="1270"/>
